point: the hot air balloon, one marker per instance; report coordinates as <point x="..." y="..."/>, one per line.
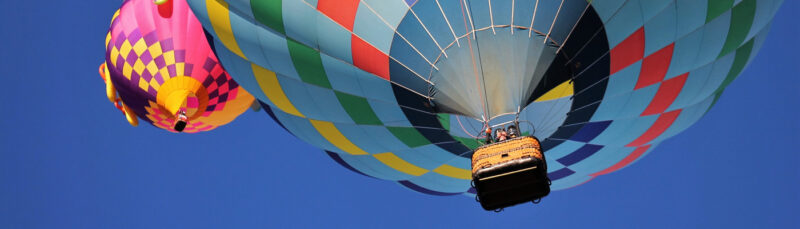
<point x="401" y="89"/>
<point x="160" y="67"/>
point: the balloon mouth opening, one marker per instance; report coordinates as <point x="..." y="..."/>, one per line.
<point x="182" y="95"/>
<point x="488" y="83"/>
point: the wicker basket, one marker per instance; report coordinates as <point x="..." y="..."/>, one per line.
<point x="505" y="151"/>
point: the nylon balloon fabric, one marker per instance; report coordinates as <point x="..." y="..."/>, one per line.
<point x="159" y="61"/>
<point x="399" y="89"/>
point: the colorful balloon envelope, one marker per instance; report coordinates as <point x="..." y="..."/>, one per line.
<point x="160" y="67"/>
<point x="400" y="89"/>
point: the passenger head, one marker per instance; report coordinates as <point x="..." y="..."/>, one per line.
<point x="512" y="131"/>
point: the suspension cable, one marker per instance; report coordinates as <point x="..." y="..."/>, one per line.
<point x="481" y="93"/>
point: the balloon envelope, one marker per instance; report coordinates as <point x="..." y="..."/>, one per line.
<point x="160" y="62"/>
<point x="399" y="89"/>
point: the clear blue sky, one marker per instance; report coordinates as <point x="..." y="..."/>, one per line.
<point x="68" y="159"/>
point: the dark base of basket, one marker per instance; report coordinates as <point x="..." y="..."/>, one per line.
<point x="179" y="126"/>
<point x="511" y="183"/>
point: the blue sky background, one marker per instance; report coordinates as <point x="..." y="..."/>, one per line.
<point x="68" y="159"/>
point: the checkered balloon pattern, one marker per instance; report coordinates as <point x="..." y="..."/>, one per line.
<point x="398" y="89"/>
<point x="147" y="45"/>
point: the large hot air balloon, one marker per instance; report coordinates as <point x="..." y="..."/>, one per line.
<point x="159" y="66"/>
<point x="400" y="89"/>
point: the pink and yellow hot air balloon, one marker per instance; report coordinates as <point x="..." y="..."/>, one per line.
<point x="160" y="67"/>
